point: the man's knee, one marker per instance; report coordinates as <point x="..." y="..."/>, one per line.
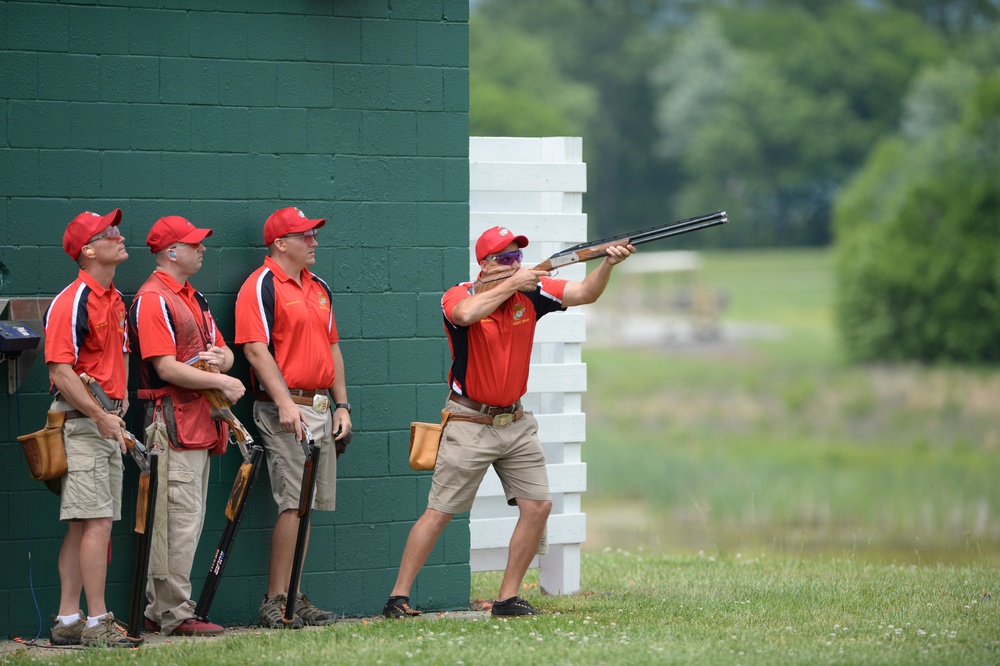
<point x="436" y="520"/>
<point x="535" y="509"/>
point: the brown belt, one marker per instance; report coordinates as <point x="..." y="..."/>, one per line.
<point x="498" y="417"/>
<point x="299" y="396"/>
<point x="74" y="414"/>
<point x="486" y="410"/>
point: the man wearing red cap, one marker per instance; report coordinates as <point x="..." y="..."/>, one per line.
<point x="171" y="328"/>
<point x="490" y="331"/>
<point x="285" y="322"/>
<point x="85" y="334"/>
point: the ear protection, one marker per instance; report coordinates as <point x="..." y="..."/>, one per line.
<point x="173" y="255"/>
<point x="89" y="252"/>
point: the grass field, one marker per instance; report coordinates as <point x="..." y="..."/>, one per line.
<point x="779" y="444"/>
<point x="641" y="607"/>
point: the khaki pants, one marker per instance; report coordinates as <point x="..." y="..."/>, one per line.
<point x="168" y="588"/>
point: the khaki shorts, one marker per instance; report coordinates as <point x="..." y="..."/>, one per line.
<point x="92" y="487"/>
<point x="468" y="449"/>
<point x="285" y="456"/>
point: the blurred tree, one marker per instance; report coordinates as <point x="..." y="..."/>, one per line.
<point x="611" y="45"/>
<point x="517" y="89"/>
<point x="769" y="111"/>
<point x="918" y="257"/>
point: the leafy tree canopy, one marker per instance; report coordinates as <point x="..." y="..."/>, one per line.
<point x="918" y="258"/>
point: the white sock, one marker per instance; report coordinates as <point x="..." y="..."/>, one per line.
<point x="93" y="621"/>
<point x="68" y="619"/>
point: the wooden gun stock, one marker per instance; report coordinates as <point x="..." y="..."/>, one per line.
<point x="240" y="486"/>
<point x="222" y="408"/>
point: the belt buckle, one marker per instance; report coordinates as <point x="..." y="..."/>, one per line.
<point x="503" y="420"/>
<point x="321" y="403"/>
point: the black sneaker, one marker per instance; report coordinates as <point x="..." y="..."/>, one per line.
<point x="513" y="607"/>
<point x="398" y="607"/>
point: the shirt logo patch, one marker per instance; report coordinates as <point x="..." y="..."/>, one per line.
<point x="518" y="311"/>
<point x="322" y="300"/>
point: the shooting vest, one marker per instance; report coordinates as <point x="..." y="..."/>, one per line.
<point x="189" y="422"/>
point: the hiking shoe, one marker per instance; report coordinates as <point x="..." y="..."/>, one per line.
<point x="311" y="615"/>
<point x="151" y="626"/>
<point x="513" y="607"/>
<point x="108" y="633"/>
<point x="272" y="611"/>
<point x="66" y="634"/>
<point x="398" y="607"/>
<point x="195" y="627"/>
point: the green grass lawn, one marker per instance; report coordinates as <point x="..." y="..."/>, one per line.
<point x="643" y="607"/>
<point x="779" y="444"/>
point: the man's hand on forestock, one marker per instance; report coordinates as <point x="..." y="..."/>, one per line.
<point x="618" y="253"/>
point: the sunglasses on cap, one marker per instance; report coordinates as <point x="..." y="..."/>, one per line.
<point x="112" y="232"/>
<point x="506" y="258"/>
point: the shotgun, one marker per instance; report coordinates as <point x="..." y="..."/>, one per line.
<point x="598" y="248"/>
<point x="306" y="495"/>
<point x="145" y="507"/>
<point x="238" y="496"/>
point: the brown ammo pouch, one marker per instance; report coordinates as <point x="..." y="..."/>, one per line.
<point x="44" y="449"/>
<point x="424" y="441"/>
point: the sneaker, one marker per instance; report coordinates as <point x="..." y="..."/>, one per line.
<point x="311" y="615"/>
<point x="272" y="612"/>
<point x="151" y="626"/>
<point x="398" y="607"/>
<point x="108" y="633"/>
<point x="195" y="627"/>
<point x="513" y="607"/>
<point x="67" y="634"/>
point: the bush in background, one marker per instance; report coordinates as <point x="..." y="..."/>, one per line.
<point x="918" y="230"/>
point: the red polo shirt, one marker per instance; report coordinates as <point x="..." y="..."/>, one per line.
<point x="85" y="328"/>
<point x="296" y="323"/>
<point x="490" y="358"/>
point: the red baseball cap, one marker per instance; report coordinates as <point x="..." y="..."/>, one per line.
<point x="174" y="229"/>
<point x="285" y="221"/>
<point x="84" y="227"/>
<point x="495" y="239"/>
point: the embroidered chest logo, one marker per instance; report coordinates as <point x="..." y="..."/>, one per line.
<point x="322" y="300"/>
<point x="121" y="320"/>
<point x="519" y="311"/>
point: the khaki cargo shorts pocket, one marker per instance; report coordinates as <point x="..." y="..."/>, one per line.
<point x="82" y="482"/>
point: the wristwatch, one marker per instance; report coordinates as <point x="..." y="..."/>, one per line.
<point x="344" y="405"/>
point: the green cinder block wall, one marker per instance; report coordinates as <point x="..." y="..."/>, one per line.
<point x="222" y="111"/>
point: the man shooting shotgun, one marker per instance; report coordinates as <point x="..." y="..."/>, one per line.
<point x="599" y="248"/>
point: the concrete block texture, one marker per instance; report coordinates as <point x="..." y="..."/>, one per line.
<point x="355" y="111"/>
